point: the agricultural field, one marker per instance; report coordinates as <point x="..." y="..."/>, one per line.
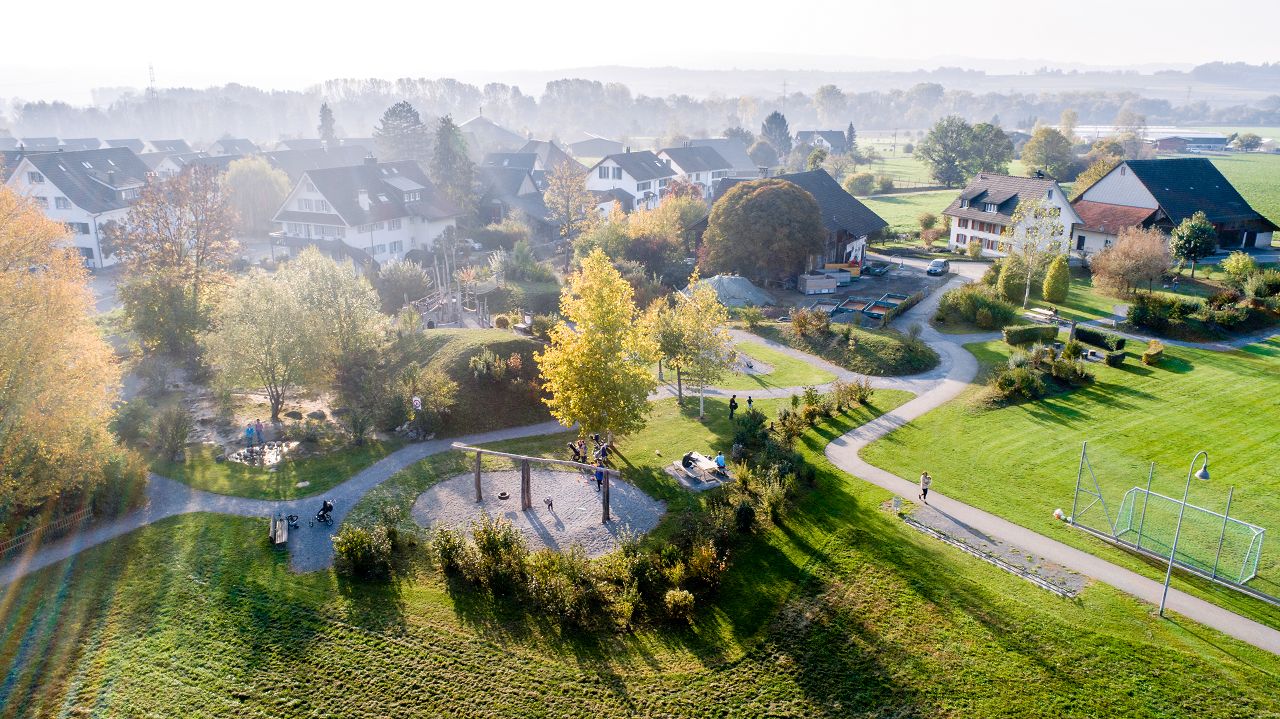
<point x="1257" y="176"/>
<point x="840" y="611"/>
<point x="1020" y="461"/>
<point x="902" y="211"/>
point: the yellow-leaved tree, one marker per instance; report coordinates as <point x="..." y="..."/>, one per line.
<point x="708" y="346"/>
<point x="58" y="377"/>
<point x="598" y="366"/>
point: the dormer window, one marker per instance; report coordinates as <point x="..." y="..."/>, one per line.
<point x="35" y="177"/>
<point x="1049" y="194"/>
<point x="603" y="173"/>
<point x="988" y="207"/>
<point x="964" y="204"/>
<point x="383" y="198"/>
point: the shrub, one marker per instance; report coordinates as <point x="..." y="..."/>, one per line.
<point x="985" y="320"/>
<point x="1026" y="334"/>
<point x="1071" y="371"/>
<point x="1222" y="298"/>
<point x="170" y="431"/>
<point x="884" y="183"/>
<point x="486" y="365"/>
<point x="752" y="316"/>
<point x="501" y="322"/>
<point x="976" y="303"/>
<point x="991" y="277"/>
<point x="679" y="605"/>
<point x="1017" y="383"/>
<point x="973" y="249"/>
<point x="1114" y="359"/>
<point x="744" y="516"/>
<point x="1269" y="280"/>
<point x="541" y="327"/>
<point x="810" y="323"/>
<point x="1153" y="353"/>
<point x="1073" y="349"/>
<point x="861" y="183"/>
<point x="1238" y="266"/>
<point x="361" y="552"/>
<point x="1057" y="280"/>
<point x="500" y="553"/>
<point x="1099" y="338"/>
<point x="1160" y="312"/>
<point x="130" y="422"/>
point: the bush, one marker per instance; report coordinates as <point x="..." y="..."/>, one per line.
<point x="365" y="553"/>
<point x="744" y="516"/>
<point x="1114" y="359"/>
<point x="1153" y="353"/>
<point x="1222" y="299"/>
<point x="752" y="316"/>
<point x="130" y="422"/>
<point x="449" y="549"/>
<point x="976" y="303"/>
<point x="1027" y="334"/>
<point x="170" y="431"/>
<point x="1161" y="312"/>
<point x="884" y="183"/>
<point x="1011" y="284"/>
<point x="973" y="249"/>
<point x="679" y="605"/>
<point x="810" y="323"/>
<point x="1238" y="266"/>
<point x="1017" y="383"/>
<point x="991" y="277"/>
<point x="499" y="557"/>
<point x="1057" y="280"/>
<point x="501" y="322"/>
<point x="1071" y="371"/>
<point x="1099" y="338"/>
<point x="541" y="327"/>
<point x="861" y="183"/>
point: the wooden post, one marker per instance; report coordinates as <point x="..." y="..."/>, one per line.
<point x="526" y="502"/>
<point x="605" y="497"/>
<point x="479" y="497"/>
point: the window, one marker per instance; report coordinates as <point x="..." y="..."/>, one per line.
<point x="604" y="173"/>
<point x="62" y="203"/>
<point x="962" y="240"/>
<point x="988" y="207"/>
<point x="379" y="249"/>
<point x="964" y="204"/>
<point x="1049" y="194"/>
<point x="322" y="206"/>
<point x="41" y="201"/>
<point x="642" y="186"/>
<point x="305" y="205"/>
<point x="617" y="173"/>
<point x="662" y="183"/>
<point x="129" y="194"/>
<point x="86" y="253"/>
<point x="80" y="228"/>
<point x="35" y="177"/>
<point x="412" y="196"/>
<point x="964" y="223"/>
<point x="396" y="246"/>
<point x="86" y="164"/>
<point x="394" y="224"/>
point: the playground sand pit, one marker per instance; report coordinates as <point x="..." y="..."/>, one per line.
<point x="574" y="517"/>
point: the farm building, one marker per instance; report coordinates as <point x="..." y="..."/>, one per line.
<point x="984" y="210"/>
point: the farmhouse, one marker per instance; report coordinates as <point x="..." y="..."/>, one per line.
<point x="642" y="174"/>
<point x="984" y="210"/>
<point x="511" y="189"/>
<point x="485" y="134"/>
<point x="833" y="141"/>
<point x="1170" y="191"/>
<point x="371" y="212"/>
<point x="1188" y="143"/>
<point x="740" y="163"/>
<point x="849" y="222"/>
<point x="699" y="165"/>
<point x="85" y="190"/>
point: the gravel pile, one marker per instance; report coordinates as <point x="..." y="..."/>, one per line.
<point x="573" y="518"/>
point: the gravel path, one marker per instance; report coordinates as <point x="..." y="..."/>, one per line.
<point x="574" y="517"/>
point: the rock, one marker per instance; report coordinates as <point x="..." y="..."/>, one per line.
<point x="342" y="412"/>
<point x="220" y="458"/>
<point x="293" y="414"/>
<point x="316" y="414"/>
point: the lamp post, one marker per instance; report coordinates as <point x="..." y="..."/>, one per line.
<point x="1203" y="475"/>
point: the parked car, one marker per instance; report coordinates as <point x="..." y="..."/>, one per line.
<point x="470" y="245"/>
<point x="939" y="267"/>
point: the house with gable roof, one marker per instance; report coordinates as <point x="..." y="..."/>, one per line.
<point x="643" y="175"/>
<point x="984" y="210"/>
<point x="232" y="146"/>
<point x="833" y="141"/>
<point x="373" y="212"/>
<point x="699" y="165"/>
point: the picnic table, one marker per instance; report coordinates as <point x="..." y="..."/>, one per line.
<point x="704" y="463"/>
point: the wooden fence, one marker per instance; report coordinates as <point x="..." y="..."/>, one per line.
<point x="55" y="526"/>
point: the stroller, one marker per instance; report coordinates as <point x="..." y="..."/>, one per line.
<point x="325" y="515"/>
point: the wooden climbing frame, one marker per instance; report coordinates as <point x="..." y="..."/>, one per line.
<point x="526" y="462"/>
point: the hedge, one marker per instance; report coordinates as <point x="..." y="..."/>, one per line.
<point x="1099" y="338"/>
<point x="1027" y="334"/>
<point x="1153" y="353"/>
<point x="1114" y="359"/>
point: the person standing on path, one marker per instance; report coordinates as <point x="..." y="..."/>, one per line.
<point x="733" y="405"/>
<point x="925" y="481"/>
<point x="260" y="432"/>
<point x="599" y="475"/>
<point x="750" y="402"/>
<point x="248" y="435"/>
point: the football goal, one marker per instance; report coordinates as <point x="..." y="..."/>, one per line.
<point x="1211" y="543"/>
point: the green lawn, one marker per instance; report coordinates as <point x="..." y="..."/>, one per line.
<point x="840" y="612"/>
<point x="787" y="371"/>
<point x="885" y="353"/>
<point x="1020" y="462"/>
<point x="321" y="471"/>
<point x="902" y="212"/>
<point x="1257" y="177"/>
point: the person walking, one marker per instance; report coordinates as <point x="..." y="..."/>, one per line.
<point x="260" y="431"/>
<point x="733" y="405"/>
<point x="599" y="475"/>
<point x="750" y="402"/>
<point x="925" y="482"/>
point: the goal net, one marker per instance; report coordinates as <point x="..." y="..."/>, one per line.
<point x="1210" y="542"/>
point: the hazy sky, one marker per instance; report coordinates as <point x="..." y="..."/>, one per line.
<point x="273" y="43"/>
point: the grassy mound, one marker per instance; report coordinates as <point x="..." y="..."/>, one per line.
<point x="884" y="353"/>
<point x="485" y="405"/>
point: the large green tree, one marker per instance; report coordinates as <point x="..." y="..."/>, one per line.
<point x="948" y="150"/>
<point x="763" y="229"/>
<point x="1050" y="151"/>
<point x="763" y="154"/>
<point x="1193" y="239"/>
<point x="776" y="132"/>
<point x="598" y="372"/>
<point x="401" y="135"/>
<point x="256" y="190"/>
<point x="991" y="150"/>
<point x="452" y="168"/>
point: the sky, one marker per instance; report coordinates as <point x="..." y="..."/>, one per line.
<point x="287" y="45"/>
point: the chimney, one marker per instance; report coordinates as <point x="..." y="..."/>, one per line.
<point x="628" y="149"/>
<point x="370" y="160"/>
<point x="111" y="177"/>
<point x="362" y="196"/>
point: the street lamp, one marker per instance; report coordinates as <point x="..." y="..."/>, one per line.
<point x="1203" y="475"/>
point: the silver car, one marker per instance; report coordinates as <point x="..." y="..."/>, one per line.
<point x="939" y="267"/>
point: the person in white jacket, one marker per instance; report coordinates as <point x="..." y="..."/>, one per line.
<point x="925" y="481"/>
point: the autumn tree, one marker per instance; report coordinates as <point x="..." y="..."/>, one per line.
<point x="1247" y="142"/>
<point x="1139" y="255"/>
<point x="763" y="228"/>
<point x="401" y="282"/>
<point x="1050" y="151"/>
<point x="815" y="159"/>
<point x="401" y="134"/>
<point x="707" y="347"/>
<point x="1067" y="123"/>
<point x="776" y="132"/>
<point x="263" y="336"/>
<point x="176" y="245"/>
<point x="452" y="168"/>
<point x="1194" y="239"/>
<point x="58" y="377"/>
<point x="990" y="150"/>
<point x="327" y="128"/>
<point x="741" y="134"/>
<point x="570" y="205"/>
<point x="256" y="190"/>
<point x="1035" y="234"/>
<point x="598" y="372"/>
<point x="763" y="154"/>
<point x="1096" y="170"/>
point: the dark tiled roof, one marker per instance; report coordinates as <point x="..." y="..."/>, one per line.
<point x="8" y="143"/>
<point x="641" y="166"/>
<point x="696" y="159"/>
<point x="595" y="147"/>
<point x="132" y="143"/>
<point x="552" y="155"/>
<point x="1004" y="190"/>
<point x="219" y="163"/>
<point x="92" y="179"/>
<point x="39" y="143"/>
<point x="341" y="186"/>
<point x="1186" y="185"/>
<point x="516" y="160"/>
<point x="730" y="149"/>
<point x="153" y="159"/>
<point x="236" y="146"/>
<point x="840" y="210"/>
<point x="170" y="145"/>
<point x="491" y="134"/>
<point x="81" y="143"/>
<point x="295" y="162"/>
<point x="1110" y="219"/>
<point x="503" y="182"/>
<point x="303" y="143"/>
<point x="835" y="138"/>
<point x="615" y="195"/>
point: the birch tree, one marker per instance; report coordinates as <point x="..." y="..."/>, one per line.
<point x="1035" y="234"/>
<point x="708" y="346"/>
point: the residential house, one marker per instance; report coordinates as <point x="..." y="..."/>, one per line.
<point x="527" y="161"/>
<point x="730" y="148"/>
<point x="507" y="190"/>
<point x="371" y="212"/>
<point x="833" y="141"/>
<point x="606" y="200"/>
<point x="983" y="211"/>
<point x="233" y="146"/>
<point x="133" y="143"/>
<point x="595" y="146"/>
<point x="550" y="155"/>
<point x="1170" y="191"/>
<point x="1101" y="223"/>
<point x="700" y="165"/>
<point x="179" y="146"/>
<point x="301" y="143"/>
<point x="641" y="174"/>
<point x="80" y="143"/>
<point x="848" y="222"/>
<point x="39" y="144"/>
<point x="296" y="162"/>
<point x="485" y="135"/>
<point x="86" y="190"/>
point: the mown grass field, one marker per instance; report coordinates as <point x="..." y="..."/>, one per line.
<point x="1257" y="177"/>
<point x="787" y="371"/>
<point x="903" y="211"/>
<point x="321" y="472"/>
<point x="841" y="611"/>
<point x="1020" y="461"/>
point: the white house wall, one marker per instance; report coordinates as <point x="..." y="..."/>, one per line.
<point x="72" y="215"/>
<point x="1121" y="187"/>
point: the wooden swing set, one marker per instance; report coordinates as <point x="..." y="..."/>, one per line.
<point x="526" y="462"/>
